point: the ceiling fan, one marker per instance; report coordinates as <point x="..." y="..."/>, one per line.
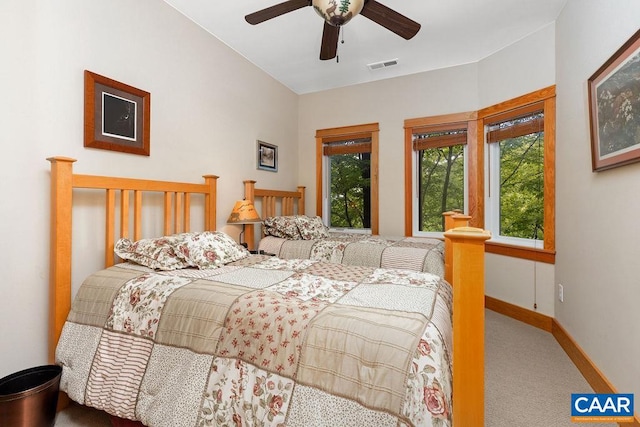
<point x="337" y="13"/>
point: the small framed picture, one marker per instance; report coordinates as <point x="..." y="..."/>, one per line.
<point x="267" y="156"/>
<point x="614" y="99"/>
<point x="116" y="115"/>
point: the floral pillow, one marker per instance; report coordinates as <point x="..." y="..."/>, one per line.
<point x="158" y="253"/>
<point x="210" y="249"/>
<point x="311" y="227"/>
<point x="285" y="227"/>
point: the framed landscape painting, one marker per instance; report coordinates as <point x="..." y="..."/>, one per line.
<point x="116" y="115"/>
<point x="614" y="108"/>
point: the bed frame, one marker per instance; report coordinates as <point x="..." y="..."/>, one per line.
<point x="466" y="246"/>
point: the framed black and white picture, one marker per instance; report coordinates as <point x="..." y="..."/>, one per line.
<point x="267" y="156"/>
<point x="116" y="115"/>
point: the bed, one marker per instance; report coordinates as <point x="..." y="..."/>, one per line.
<point x="288" y="233"/>
<point x="259" y="340"/>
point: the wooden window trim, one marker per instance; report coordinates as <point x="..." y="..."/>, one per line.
<point x="332" y="135"/>
<point x="525" y="104"/>
<point x="476" y="120"/>
<point x="455" y="121"/>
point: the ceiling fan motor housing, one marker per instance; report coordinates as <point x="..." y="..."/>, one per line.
<point x="337" y="12"/>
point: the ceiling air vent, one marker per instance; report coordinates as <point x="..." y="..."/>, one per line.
<point x="382" y="64"/>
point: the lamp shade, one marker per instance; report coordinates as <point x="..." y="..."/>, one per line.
<point x="337" y="12"/>
<point x="243" y="213"/>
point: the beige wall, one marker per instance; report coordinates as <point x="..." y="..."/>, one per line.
<point x="209" y="105"/>
<point x="597" y="241"/>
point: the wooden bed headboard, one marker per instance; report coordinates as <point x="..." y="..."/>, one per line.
<point x="177" y="214"/>
<point x="272" y="203"/>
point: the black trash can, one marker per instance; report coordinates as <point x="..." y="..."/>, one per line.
<point x="29" y="398"/>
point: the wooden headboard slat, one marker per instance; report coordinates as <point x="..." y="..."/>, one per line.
<point x="177" y="212"/>
<point x="109" y="227"/>
<point x="137" y="215"/>
<point x="269" y="205"/>
<point x="187" y="211"/>
<point x="167" y="213"/>
<point x="287" y="205"/>
<point x="124" y="213"/>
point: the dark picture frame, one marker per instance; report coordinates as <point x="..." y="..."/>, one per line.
<point x="614" y="108"/>
<point x="116" y="115"/>
<point x="267" y="156"/>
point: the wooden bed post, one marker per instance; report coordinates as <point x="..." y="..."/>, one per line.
<point x="59" y="248"/>
<point x="301" y="200"/>
<point x="452" y="219"/>
<point x="250" y="229"/>
<point x="210" y="199"/>
<point x="468" y="324"/>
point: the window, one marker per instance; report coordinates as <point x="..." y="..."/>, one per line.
<point x="516" y="176"/>
<point x="348" y="167"/>
<point x="439" y="153"/>
<point x="520" y="187"/>
<point x="347" y="171"/>
<point x="507" y="184"/>
<point x="440" y="181"/>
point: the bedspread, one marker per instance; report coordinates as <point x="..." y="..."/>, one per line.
<point x="262" y="342"/>
<point x="413" y="253"/>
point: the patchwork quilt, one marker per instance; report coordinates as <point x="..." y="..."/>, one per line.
<point x="413" y="253"/>
<point x="262" y="341"/>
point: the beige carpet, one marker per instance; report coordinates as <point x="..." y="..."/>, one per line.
<point x="528" y="380"/>
<point x="528" y="376"/>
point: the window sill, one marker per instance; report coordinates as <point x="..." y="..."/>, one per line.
<point x="539" y="255"/>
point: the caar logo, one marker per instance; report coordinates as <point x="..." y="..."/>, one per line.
<point x="601" y="407"/>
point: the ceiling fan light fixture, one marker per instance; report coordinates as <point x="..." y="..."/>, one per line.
<point x="337" y="12"/>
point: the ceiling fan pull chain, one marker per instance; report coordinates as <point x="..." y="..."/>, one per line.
<point x="341" y="42"/>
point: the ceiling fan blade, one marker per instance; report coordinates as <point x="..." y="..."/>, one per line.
<point x="329" y="47"/>
<point x="390" y="19"/>
<point x="275" y="11"/>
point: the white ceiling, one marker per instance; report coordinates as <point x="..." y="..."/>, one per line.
<point x="453" y="32"/>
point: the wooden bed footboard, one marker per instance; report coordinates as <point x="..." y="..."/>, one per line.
<point x="177" y="213"/>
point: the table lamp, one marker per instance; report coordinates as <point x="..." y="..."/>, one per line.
<point x="243" y="213"/>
